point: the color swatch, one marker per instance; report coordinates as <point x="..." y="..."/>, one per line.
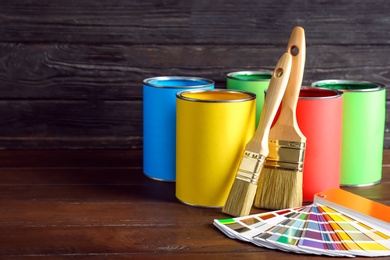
<point x="313" y="229"/>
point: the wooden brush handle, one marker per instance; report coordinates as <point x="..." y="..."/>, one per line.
<point x="276" y="89"/>
<point x="297" y="47"/>
<point x="287" y="122"/>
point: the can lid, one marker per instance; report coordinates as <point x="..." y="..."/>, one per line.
<point x="348" y="85"/>
<point x="254" y="75"/>
<point x="215" y="95"/>
<point x="310" y="93"/>
<point x="178" y="82"/>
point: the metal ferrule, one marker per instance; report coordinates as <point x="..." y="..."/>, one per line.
<point x="286" y="155"/>
<point x="250" y="167"/>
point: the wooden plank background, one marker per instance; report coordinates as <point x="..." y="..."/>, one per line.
<point x="71" y="71"/>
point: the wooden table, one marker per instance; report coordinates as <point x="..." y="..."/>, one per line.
<point x="98" y="204"/>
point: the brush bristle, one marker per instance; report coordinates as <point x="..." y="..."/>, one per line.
<point x="279" y="189"/>
<point x="240" y="199"/>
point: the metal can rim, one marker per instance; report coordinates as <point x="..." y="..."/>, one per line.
<point x="338" y="94"/>
<point x="251" y="96"/>
<point x="231" y="75"/>
<point x="379" y="86"/>
<point x="166" y="78"/>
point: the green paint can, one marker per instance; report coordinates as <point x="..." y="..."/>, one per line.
<point x="363" y="128"/>
<point x="251" y="81"/>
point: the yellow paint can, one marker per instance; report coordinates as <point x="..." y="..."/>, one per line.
<point x="212" y="129"/>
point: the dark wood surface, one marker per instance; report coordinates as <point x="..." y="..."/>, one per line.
<point x="71" y="71"/>
<point x="99" y="204"/>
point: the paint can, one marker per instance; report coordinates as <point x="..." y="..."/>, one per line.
<point x="213" y="127"/>
<point x="319" y="116"/>
<point x="251" y="81"/>
<point x="364" y="115"/>
<point x="159" y="122"/>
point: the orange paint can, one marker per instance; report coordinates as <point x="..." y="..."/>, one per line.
<point x="319" y="116"/>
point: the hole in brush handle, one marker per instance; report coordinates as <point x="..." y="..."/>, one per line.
<point x="278" y="72"/>
<point x="294" y="50"/>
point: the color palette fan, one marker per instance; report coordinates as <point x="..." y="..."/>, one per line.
<point x="326" y="227"/>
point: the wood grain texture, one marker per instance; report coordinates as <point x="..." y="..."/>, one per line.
<point x="182" y="22"/>
<point x="99" y="204"/>
<point x="35" y="124"/>
<point x="71" y="72"/>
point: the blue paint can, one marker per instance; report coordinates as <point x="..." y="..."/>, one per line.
<point x="159" y="122"/>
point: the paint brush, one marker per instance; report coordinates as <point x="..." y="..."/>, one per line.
<point x="280" y="182"/>
<point x="243" y="190"/>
